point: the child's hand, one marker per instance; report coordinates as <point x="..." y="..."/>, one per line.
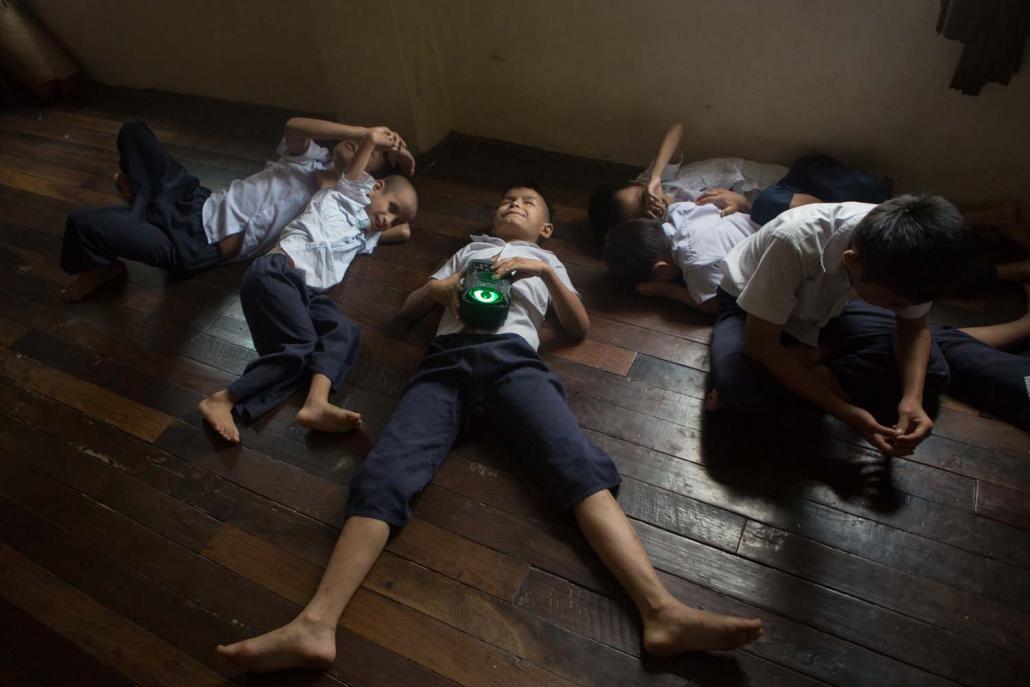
<point x="519" y="268"/>
<point x="913" y="426"/>
<point x="656" y="202"/>
<point x="447" y="292"/>
<point x="724" y="199"/>
<point x="404" y="159"/>
<point x="656" y="288"/>
<point x="881" y="437"/>
<point x="385" y="138"/>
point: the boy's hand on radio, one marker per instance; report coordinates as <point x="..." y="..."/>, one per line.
<point x="519" y="268"/>
<point x="447" y="292"/>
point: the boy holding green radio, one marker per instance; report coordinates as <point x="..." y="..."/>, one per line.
<point x="496" y="372"/>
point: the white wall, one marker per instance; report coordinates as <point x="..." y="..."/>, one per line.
<point x="257" y="51"/>
<point x="765" y="79"/>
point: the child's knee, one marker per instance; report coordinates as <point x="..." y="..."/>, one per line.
<point x="376" y="494"/>
<point x="736" y="380"/>
<point x="132" y="130"/>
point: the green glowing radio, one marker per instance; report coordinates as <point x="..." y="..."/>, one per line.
<point x="484" y="297"/>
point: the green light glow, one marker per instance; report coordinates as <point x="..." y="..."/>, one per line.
<point x="487" y="296"/>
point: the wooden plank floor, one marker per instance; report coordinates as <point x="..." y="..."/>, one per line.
<point x="132" y="542"/>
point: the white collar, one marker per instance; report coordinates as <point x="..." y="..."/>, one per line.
<point x="486" y="238"/>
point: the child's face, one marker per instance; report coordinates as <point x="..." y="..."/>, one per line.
<point x="343" y="153"/>
<point x="871" y="292"/>
<point x="633" y="202"/>
<point x="390" y="208"/>
<point x="522" y="216"/>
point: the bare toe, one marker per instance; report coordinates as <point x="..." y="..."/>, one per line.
<point x="679" y="628"/>
<point x="297" y="645"/>
<point x="217" y="412"/>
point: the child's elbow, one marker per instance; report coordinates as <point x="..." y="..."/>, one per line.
<point x="578" y="329"/>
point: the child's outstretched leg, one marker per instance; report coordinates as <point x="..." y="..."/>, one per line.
<point x="319" y="414"/>
<point x="216" y="410"/>
<point x="309" y="640"/>
<point x="670" y="627"/>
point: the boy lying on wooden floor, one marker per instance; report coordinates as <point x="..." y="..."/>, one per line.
<point x="496" y="373"/>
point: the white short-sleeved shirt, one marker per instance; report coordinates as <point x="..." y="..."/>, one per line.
<point x="331" y="231"/>
<point x="529" y="297"/>
<point x="700" y="238"/>
<point x="688" y="181"/>
<point x="262" y="204"/>
<point x="790" y="272"/>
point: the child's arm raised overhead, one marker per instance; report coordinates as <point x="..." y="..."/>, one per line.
<point x="666" y="151"/>
<point x="376" y="137"/>
<point x="300" y="130"/>
<point x="570" y="311"/>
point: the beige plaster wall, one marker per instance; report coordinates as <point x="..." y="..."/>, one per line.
<point x="257" y="51"/>
<point x="766" y="79"/>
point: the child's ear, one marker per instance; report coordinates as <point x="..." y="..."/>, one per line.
<point x="378" y="185"/>
<point x="849" y="258"/>
<point x="663" y="270"/>
<point x="546" y="232"/>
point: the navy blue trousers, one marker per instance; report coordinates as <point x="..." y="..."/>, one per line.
<point x="164" y="227"/>
<point x="986" y="378"/>
<point x="861" y="358"/>
<point x="496" y="377"/>
<point x="820" y="176"/>
<point x="296" y="331"/>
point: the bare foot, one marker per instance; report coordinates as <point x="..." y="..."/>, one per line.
<point x="325" y="417"/>
<point x="89" y="281"/>
<point x="217" y="412"/>
<point x="300" y="644"/>
<point x="124" y="186"/>
<point x="678" y="628"/>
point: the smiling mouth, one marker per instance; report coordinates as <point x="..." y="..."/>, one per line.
<point x="513" y="212"/>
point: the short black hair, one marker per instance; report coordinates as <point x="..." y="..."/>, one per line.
<point x="914" y="245"/>
<point x="633" y="247"/>
<point x="604" y="211"/>
<point x="532" y="186"/>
